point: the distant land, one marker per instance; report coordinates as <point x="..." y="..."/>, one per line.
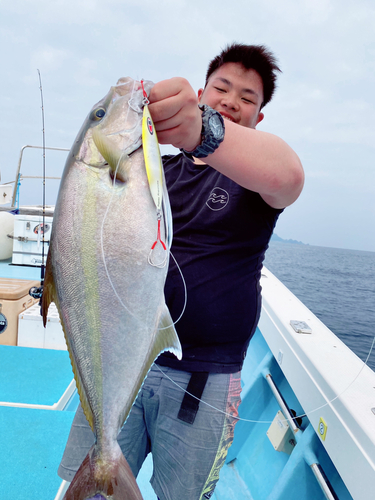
<point x="274" y="237"/>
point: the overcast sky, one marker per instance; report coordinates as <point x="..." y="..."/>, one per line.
<point x="323" y="107"/>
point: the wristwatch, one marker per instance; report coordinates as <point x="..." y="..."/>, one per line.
<point x="213" y="130"/>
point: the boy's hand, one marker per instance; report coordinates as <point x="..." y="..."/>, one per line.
<point x="174" y="110"/>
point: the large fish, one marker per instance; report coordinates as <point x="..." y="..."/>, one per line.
<point x="109" y="292"/>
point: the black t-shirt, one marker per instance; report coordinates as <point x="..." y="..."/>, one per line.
<point x="220" y="234"/>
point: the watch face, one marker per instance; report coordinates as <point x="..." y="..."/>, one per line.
<point x="216" y="126"/>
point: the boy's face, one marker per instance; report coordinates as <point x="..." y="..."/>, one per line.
<point x="236" y="92"/>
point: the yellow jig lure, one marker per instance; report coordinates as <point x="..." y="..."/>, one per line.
<point x="151" y="151"/>
<point x="154" y="169"/>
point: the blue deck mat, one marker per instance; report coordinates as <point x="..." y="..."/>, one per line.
<point x="32" y="444"/>
<point x="33" y="376"/>
<point x="7" y="270"/>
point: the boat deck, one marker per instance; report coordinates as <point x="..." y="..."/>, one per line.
<point x="282" y="373"/>
<point x="32" y="443"/>
<point x="33" y="439"/>
<point x="35" y="378"/>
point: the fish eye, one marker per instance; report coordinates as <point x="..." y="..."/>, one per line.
<point x="98" y="113"/>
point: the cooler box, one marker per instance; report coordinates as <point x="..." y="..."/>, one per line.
<point x="28" y="239"/>
<point x="14" y="299"/>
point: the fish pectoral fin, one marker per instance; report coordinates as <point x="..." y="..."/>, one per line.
<point x="167" y="338"/>
<point x="116" y="159"/>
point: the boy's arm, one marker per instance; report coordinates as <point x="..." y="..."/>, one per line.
<point x="256" y="160"/>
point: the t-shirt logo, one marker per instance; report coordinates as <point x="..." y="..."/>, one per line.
<point x="218" y="199"/>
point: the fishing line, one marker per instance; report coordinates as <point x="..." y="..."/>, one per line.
<point x="108" y="275"/>
<point x="105" y="217"/>
<point x="185" y="289"/>
<point x="208" y="404"/>
<point x="183" y="311"/>
<point x="184" y="308"/>
<point x="123" y="154"/>
<point x="185" y="295"/>
<point x="351" y="383"/>
<point x="270" y="421"/>
<point x="102" y="240"/>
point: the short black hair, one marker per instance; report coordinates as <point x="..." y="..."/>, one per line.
<point x="256" y="57"/>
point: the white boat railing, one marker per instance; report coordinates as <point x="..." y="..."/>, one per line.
<point x="16" y="181"/>
<point x="331" y="383"/>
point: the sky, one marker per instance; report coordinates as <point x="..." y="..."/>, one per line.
<point x="324" y="106"/>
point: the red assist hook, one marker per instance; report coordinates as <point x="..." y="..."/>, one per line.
<point x="145" y="101"/>
<point x="161" y="254"/>
<point x="158" y="238"/>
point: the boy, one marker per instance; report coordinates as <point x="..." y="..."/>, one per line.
<point x="227" y="188"/>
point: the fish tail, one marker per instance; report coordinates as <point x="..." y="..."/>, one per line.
<point x="100" y="479"/>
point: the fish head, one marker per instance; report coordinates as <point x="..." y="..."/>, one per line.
<point x="113" y="128"/>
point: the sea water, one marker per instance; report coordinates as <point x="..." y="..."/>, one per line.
<point x="337" y="285"/>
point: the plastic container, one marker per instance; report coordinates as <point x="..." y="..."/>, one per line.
<point x="14" y="298"/>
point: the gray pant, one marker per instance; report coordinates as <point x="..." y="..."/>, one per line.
<point x="187" y="458"/>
